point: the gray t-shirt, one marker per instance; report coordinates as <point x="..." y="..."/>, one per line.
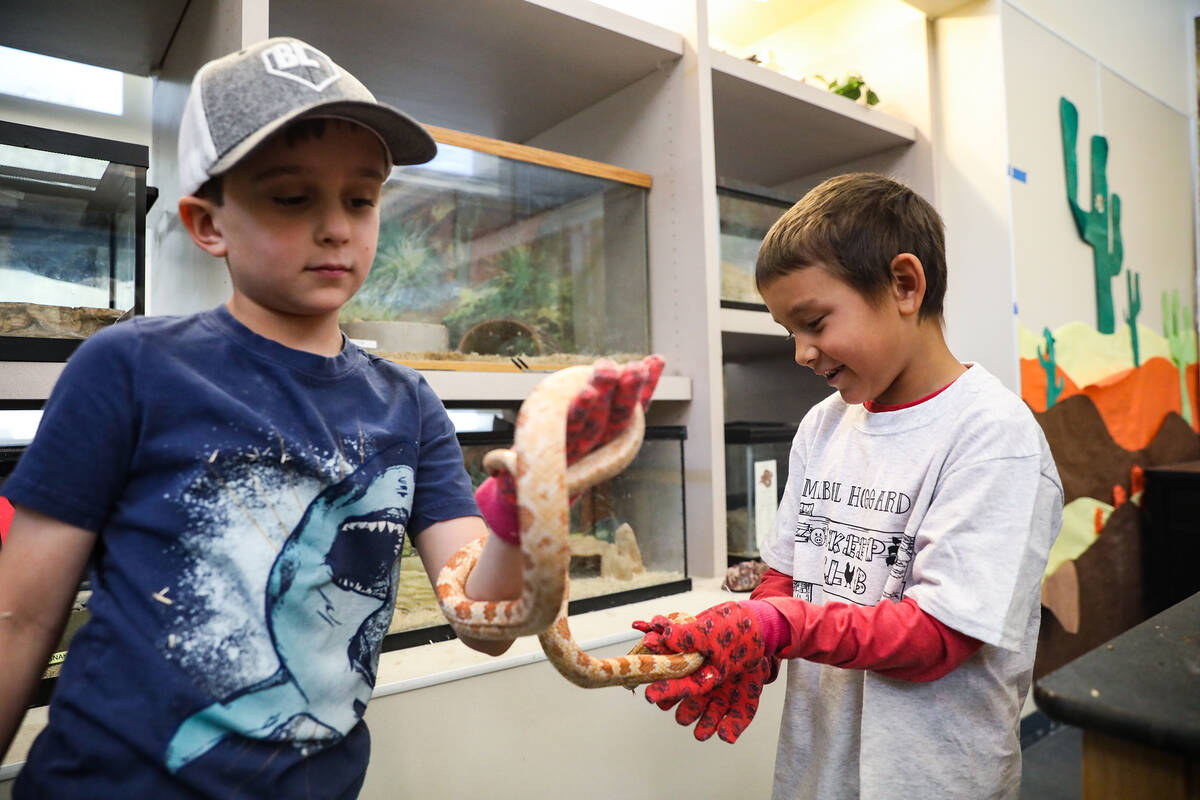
<point x="953" y="502"/>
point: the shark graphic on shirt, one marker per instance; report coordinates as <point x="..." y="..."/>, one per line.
<point x="328" y="603"/>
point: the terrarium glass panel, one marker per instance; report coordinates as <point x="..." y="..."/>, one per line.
<point x="745" y="218"/>
<point x="482" y="256"/>
<point x="756" y="468"/>
<point x="627" y="533"/>
<point x="71" y="235"/>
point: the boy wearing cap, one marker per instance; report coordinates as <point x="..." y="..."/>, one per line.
<point x="240" y="481"/>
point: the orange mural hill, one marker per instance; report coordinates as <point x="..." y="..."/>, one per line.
<point x="1132" y="403"/>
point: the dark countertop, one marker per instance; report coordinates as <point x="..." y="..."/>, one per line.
<point x="1143" y="686"/>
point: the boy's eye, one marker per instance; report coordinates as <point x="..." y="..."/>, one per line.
<point x="290" y="200"/>
<point x="363" y="202"/>
<point x="814" y="325"/>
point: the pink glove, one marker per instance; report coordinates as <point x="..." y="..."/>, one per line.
<point x="723" y="694"/>
<point x="6" y="515"/>
<point x="597" y="414"/>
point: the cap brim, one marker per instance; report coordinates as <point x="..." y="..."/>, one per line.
<point x="405" y="139"/>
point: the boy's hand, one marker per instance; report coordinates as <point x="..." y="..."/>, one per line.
<point x="723" y="694"/>
<point x="597" y="415"/>
<point x="728" y="709"/>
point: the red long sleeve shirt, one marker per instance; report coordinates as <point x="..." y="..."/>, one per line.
<point x="898" y="640"/>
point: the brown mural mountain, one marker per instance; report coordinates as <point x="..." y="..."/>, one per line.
<point x="1110" y="593"/>
<point x="1090" y="462"/>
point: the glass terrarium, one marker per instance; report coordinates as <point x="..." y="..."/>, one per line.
<point x="72" y="238"/>
<point x="746" y="213"/>
<point x="627" y="537"/>
<point x="756" y="469"/>
<point x="493" y="251"/>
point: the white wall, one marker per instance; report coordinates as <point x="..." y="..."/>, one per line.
<point x="1149" y="160"/>
<point x="1147" y="42"/>
<point x="970" y="143"/>
<point x="527" y="733"/>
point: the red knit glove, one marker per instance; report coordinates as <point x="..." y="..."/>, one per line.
<point x="600" y="411"/>
<point x="722" y="695"/>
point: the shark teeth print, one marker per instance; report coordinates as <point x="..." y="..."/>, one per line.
<point x="377" y="525"/>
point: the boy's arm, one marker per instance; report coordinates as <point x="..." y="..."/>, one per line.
<point x="41" y="564"/>
<point x="899" y="640"/>
<point x="497" y="576"/>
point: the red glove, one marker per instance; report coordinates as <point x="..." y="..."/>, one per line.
<point x="597" y="415"/>
<point x="723" y="694"/>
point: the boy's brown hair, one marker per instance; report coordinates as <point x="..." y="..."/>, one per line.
<point x="854" y="225"/>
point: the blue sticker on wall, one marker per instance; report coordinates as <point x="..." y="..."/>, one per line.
<point x="1017" y="174"/>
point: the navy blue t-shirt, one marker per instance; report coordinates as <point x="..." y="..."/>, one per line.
<point x="251" y="502"/>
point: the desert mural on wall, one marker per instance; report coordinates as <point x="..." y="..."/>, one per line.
<point x="1113" y="394"/>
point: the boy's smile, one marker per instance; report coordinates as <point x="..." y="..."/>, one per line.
<point x="298" y="228"/>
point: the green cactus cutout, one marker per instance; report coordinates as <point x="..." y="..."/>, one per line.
<point x="1133" y="290"/>
<point x="1177" y="327"/>
<point x="1054" y="382"/>
<point x="1100" y="227"/>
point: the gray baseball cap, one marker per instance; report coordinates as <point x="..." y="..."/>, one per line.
<point x="237" y="101"/>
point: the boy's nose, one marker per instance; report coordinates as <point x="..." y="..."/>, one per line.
<point x="806" y="354"/>
<point x="334" y="226"/>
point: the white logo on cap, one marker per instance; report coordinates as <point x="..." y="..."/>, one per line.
<point x="282" y="58"/>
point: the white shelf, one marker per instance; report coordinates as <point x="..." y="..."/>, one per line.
<point x="770" y="128"/>
<point x="127" y="35"/>
<point x="34" y="380"/>
<point x="752" y="336"/>
<point x="451" y="385"/>
<point x="28" y="380"/>
<point x="508" y="69"/>
<point x="736" y="320"/>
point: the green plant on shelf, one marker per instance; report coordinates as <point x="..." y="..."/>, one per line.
<point x="852" y="86"/>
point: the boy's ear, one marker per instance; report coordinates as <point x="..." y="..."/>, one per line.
<point x="197" y="216"/>
<point x="908" y="283"/>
